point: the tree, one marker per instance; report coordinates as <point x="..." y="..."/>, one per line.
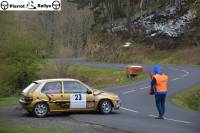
<point x="141" y="10"/>
<point x="179" y="4"/>
<point x="52" y="29"/>
<point x="47" y="22"/>
<point x="128" y="17"/>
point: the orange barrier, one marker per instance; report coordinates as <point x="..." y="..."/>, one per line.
<point x="132" y="71"/>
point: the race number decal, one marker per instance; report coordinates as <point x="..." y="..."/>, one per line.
<point x="78" y="97"/>
<point x="77" y="100"/>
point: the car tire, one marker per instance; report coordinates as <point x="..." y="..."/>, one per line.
<point x="30" y="113"/>
<point x="105" y="107"/>
<point x="41" y="110"/>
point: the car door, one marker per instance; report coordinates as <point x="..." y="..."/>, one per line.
<point x="79" y="98"/>
<point x="53" y="90"/>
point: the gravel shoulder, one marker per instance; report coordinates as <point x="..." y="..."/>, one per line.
<point x="15" y="115"/>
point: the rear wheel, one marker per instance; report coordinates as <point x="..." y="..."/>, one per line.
<point x="40" y="110"/>
<point x="30" y="112"/>
<point x="105" y="107"/>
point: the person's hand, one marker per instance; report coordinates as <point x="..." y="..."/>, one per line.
<point x="150" y="74"/>
<point x="151" y="92"/>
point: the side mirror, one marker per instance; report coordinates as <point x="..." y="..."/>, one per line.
<point x="89" y="91"/>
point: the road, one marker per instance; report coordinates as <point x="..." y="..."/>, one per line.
<point x="138" y="108"/>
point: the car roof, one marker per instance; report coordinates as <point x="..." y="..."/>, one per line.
<point x="134" y="66"/>
<point x="52" y="80"/>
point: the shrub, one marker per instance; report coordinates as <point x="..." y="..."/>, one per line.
<point x="18" y="64"/>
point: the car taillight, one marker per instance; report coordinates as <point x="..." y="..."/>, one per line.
<point x="28" y="99"/>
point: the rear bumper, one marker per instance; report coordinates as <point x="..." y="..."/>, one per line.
<point x="23" y="102"/>
<point x="26" y="105"/>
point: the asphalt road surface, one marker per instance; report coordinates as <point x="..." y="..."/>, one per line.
<point x="138" y="108"/>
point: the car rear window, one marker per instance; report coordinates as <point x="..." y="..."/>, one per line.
<point x="30" y="88"/>
<point x="52" y="88"/>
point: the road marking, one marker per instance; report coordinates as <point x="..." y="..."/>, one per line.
<point x="175" y="79"/>
<point x="131" y="91"/>
<point x="186" y="73"/>
<point x="170" y="119"/>
<point x="129" y="110"/>
<point x="182" y="76"/>
<point x="174" y="69"/>
<point x="145" y="87"/>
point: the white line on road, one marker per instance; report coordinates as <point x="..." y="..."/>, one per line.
<point x="175" y="79"/>
<point x="170" y="119"/>
<point x="131" y="91"/>
<point x="145" y="87"/>
<point x="129" y="110"/>
<point x="150" y="115"/>
<point x="183" y="76"/>
<point x="186" y="72"/>
<point x="175" y="69"/>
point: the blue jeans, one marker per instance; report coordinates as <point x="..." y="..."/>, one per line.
<point x="160" y="103"/>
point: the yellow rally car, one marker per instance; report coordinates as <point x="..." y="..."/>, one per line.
<point x="59" y="95"/>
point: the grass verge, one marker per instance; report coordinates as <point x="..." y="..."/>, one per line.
<point x="8" y="100"/>
<point x="10" y="127"/>
<point x="188" y="99"/>
<point x="98" y="78"/>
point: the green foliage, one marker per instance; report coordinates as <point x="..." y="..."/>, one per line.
<point x="53" y="70"/>
<point x="18" y="64"/>
<point x="18" y="57"/>
<point x="189" y="99"/>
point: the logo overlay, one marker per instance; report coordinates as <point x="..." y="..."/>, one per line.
<point x="30" y="5"/>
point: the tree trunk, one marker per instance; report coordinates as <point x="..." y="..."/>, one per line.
<point x="52" y="30"/>
<point x="141" y="12"/>
<point x="109" y="7"/>
<point x="128" y="17"/>
<point x="170" y="3"/>
<point x="179" y="4"/>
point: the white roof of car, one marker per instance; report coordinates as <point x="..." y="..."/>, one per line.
<point x="134" y="66"/>
<point x="52" y="80"/>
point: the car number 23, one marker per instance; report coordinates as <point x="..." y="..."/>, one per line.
<point x="77" y="100"/>
<point x="78" y="96"/>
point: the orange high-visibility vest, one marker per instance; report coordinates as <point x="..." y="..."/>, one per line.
<point x="161" y="82"/>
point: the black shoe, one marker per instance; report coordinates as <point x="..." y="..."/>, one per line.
<point x="159" y="117"/>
